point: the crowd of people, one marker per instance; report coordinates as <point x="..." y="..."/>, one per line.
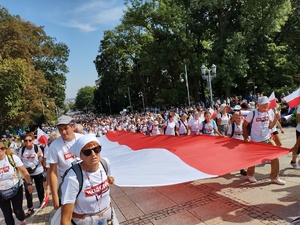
<point x="84" y="194"/>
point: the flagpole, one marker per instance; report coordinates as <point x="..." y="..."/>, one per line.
<point x="187" y="85"/>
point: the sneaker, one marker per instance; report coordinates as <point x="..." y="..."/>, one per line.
<point x="252" y="179"/>
<point x="243" y="172"/>
<point x="278" y="181"/>
<point x="295" y="165"/>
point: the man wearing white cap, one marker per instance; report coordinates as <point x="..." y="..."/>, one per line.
<point x="59" y="157"/>
<point x="261" y="122"/>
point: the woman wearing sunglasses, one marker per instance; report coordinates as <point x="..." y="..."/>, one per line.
<point x="92" y="206"/>
<point x="32" y="157"/>
<point x="10" y="179"/>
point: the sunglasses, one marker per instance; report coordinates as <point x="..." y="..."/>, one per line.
<point x="88" y="152"/>
<point x="26" y="140"/>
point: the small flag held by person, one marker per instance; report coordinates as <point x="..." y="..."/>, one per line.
<point x="42" y="137"/>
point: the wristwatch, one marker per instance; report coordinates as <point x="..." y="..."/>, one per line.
<point x="29" y="183"/>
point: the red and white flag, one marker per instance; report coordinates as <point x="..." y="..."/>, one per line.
<point x="272" y="100"/>
<point x="142" y="161"/>
<point x="293" y="99"/>
<point x="42" y="137"/>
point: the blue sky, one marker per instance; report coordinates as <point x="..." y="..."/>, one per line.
<point x="77" y="23"/>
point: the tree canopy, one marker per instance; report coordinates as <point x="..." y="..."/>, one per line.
<point x="253" y="43"/>
<point x="32" y="72"/>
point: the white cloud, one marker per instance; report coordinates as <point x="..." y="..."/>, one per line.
<point x="89" y="15"/>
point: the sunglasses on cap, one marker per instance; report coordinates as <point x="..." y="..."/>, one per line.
<point x="26" y="140"/>
<point x="88" y="152"/>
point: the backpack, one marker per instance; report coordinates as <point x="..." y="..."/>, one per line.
<point x="78" y="171"/>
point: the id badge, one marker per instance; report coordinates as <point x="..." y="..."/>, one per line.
<point x="101" y="221"/>
<point x="265" y="132"/>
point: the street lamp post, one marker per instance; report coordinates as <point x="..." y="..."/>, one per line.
<point x="129" y="96"/>
<point x="209" y="76"/>
<point x="187" y="85"/>
<point x="142" y="95"/>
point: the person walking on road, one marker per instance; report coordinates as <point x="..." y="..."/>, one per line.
<point x="261" y="122"/>
<point x="11" y="188"/>
<point x="90" y="203"/>
<point x="296" y="148"/>
<point x="59" y="157"/>
<point x="32" y="156"/>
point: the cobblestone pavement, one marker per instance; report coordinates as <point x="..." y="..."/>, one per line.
<point x="228" y="199"/>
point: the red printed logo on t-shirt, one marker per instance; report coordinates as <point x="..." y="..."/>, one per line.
<point x="4" y="169"/>
<point x="68" y="155"/>
<point x="28" y="156"/>
<point x="98" y="189"/>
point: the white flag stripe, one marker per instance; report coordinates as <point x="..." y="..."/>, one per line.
<point x="147" y="167"/>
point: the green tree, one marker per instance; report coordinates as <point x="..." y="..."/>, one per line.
<point x="41" y="61"/>
<point x="85" y="99"/>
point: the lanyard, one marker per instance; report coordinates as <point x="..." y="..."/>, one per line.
<point x="92" y="187"/>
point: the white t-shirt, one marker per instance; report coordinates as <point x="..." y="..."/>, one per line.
<point x="8" y="176"/>
<point x="14" y="146"/>
<point x="87" y="202"/>
<point x="155" y="131"/>
<point x="30" y="159"/>
<point x="182" y="127"/>
<point x="260" y="126"/>
<point x="170" y="127"/>
<point x="298" y="125"/>
<point x="46" y="152"/>
<point x="224" y="118"/>
<point x="59" y="154"/>
<point x="238" y="131"/>
<point x="195" y="125"/>
<point x="209" y="128"/>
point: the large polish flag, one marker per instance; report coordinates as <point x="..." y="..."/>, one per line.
<point x="272" y="100"/>
<point x="143" y="161"/>
<point x="293" y="99"/>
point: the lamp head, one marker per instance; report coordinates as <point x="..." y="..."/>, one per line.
<point x="203" y="68"/>
<point x="214" y="68"/>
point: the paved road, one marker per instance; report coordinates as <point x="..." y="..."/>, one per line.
<point x="224" y="200"/>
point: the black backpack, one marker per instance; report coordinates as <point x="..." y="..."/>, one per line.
<point x="78" y="171"/>
<point x="36" y="149"/>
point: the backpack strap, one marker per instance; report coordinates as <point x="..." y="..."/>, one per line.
<point x="104" y="164"/>
<point x="203" y="125"/>
<point x="12" y="162"/>
<point x="232" y="129"/>
<point x="78" y="172"/>
<point x="36" y="149"/>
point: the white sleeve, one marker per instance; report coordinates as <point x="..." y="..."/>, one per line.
<point x="69" y="188"/>
<point x="52" y="156"/>
<point x="17" y="160"/>
<point x="249" y="117"/>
